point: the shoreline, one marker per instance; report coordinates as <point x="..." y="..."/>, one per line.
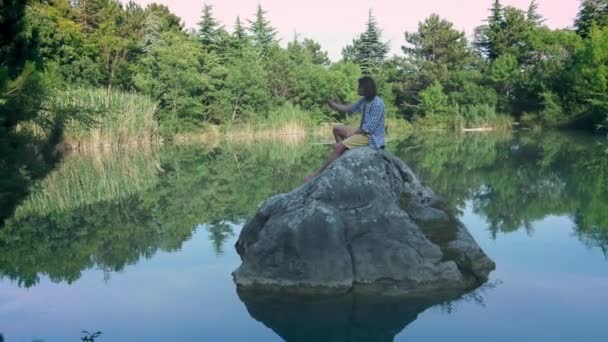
<point x="289" y="132"/>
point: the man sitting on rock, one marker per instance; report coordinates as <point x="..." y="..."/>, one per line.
<point x="371" y="130"/>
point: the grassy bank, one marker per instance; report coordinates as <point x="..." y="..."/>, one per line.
<point x="97" y="118"/>
<point x="283" y="123"/>
<point x="100" y="119"/>
<point x="293" y="126"/>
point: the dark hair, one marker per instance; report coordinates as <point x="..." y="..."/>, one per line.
<point x="369" y="87"/>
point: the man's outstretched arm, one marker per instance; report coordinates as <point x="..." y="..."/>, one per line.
<point x="344" y="108"/>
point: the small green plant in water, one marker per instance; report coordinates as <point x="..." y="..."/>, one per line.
<point x="90" y="337"/>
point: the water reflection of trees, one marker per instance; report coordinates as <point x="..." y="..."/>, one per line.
<point x="515" y="179"/>
<point x="82" y="218"/>
<point x="85" y="217"/>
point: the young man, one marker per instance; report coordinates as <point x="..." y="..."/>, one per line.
<point x="371" y="130"/>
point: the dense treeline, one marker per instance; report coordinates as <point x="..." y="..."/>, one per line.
<point x="212" y="74"/>
<point x="55" y="55"/>
<point x="208" y="75"/>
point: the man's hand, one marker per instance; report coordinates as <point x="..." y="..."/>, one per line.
<point x="338" y="106"/>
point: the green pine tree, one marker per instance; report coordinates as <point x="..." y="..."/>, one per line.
<point x="318" y="56"/>
<point x="496" y="12"/>
<point x="436" y="41"/>
<point x="591" y="11"/>
<point x="19" y="63"/>
<point x="209" y="32"/>
<point x="24" y="156"/>
<point x="263" y="34"/>
<point x="88" y="13"/>
<point x="515" y="34"/>
<point x="490" y="40"/>
<point x="368" y="51"/>
<point x="239" y="39"/>
<point x="588" y="75"/>
<point x="534" y="18"/>
<point x="239" y="33"/>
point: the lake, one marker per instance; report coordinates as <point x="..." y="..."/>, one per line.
<point x="139" y="245"/>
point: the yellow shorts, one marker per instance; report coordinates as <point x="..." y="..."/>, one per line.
<point x="355" y="140"/>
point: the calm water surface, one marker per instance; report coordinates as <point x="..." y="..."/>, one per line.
<point x="139" y="245"/>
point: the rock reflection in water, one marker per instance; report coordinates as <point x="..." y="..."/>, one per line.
<point x="350" y="317"/>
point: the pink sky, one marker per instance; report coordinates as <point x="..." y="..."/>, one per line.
<point x="334" y="23"/>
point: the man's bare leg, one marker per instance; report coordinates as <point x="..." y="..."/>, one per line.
<point x="339" y="148"/>
<point x="340" y="132"/>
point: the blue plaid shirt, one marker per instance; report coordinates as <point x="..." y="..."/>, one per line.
<point x="372" y="119"/>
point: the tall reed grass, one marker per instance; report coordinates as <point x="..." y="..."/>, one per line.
<point x="101" y="118"/>
<point x="283" y="123"/>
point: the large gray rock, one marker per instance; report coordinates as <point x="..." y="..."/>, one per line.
<point x="365" y="223"/>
